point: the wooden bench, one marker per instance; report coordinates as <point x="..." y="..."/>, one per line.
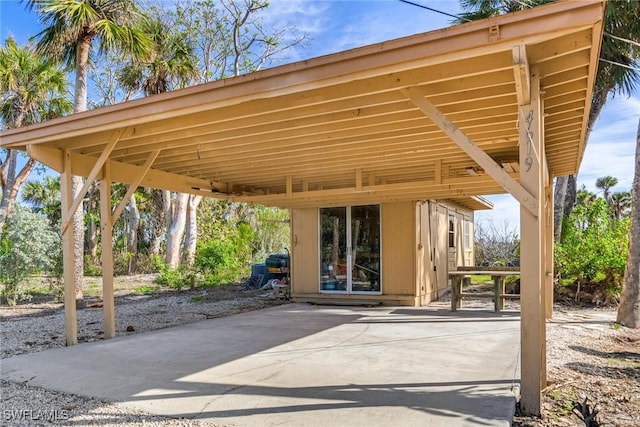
<point x="498" y="276"/>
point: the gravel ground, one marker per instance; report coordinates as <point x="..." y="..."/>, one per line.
<point x="34" y="327"/>
<point x="588" y="357"/>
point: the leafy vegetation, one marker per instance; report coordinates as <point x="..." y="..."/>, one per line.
<point x="225" y="261"/>
<point x="26" y="248"/>
<point x="595" y="240"/>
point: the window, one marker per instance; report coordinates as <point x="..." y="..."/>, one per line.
<point x="452" y="230"/>
<point x="467" y="232"/>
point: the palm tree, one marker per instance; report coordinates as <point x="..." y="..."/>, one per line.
<point x="584" y="197"/>
<point x="629" y="309"/>
<point x="33" y="89"/>
<point x="621" y="204"/>
<point x="481" y="9"/>
<point x="172" y="64"/>
<point x="605" y="184"/>
<point x="44" y="197"/>
<point x="617" y="69"/>
<point x="70" y="28"/>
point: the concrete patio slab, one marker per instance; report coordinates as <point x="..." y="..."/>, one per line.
<point x="302" y="365"/>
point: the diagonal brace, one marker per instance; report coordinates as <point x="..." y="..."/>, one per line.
<point x="91" y="177"/>
<point x="134" y="186"/>
<point x="493" y="169"/>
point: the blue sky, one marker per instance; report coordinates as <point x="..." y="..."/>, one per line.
<point x="335" y="25"/>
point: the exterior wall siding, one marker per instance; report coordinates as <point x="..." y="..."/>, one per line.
<point x="414" y="249"/>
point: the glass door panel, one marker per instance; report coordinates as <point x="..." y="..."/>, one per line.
<point x="333" y="249"/>
<point x="365" y="253"/>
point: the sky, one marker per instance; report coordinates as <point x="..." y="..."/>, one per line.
<point x="337" y="25"/>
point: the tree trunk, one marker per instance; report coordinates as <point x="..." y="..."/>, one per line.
<point x="564" y="196"/>
<point x="91" y="236"/>
<point x="191" y="235"/>
<point x="132" y="245"/>
<point x="79" y="105"/>
<point x="176" y="230"/>
<point x="629" y="310"/>
<point x="78" y="241"/>
<point x="158" y="222"/>
<point x="11" y="183"/>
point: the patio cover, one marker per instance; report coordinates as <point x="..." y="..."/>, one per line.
<point x="339" y="129"/>
<point x="493" y="106"/>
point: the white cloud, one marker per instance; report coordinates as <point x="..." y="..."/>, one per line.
<point x="308" y="16"/>
<point x="611" y="146"/>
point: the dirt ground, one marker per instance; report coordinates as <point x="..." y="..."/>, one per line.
<point x="588" y="355"/>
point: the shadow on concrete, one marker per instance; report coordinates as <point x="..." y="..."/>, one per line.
<point x="460" y="399"/>
<point x="298" y="359"/>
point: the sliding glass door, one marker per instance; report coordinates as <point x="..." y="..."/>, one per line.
<point x="350" y="249"/>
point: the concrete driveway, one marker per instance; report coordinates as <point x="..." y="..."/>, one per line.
<point x="302" y="365"/>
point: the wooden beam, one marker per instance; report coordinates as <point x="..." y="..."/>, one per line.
<point x="68" y="254"/>
<point x="548" y="258"/>
<point x="289" y="185"/>
<point x="452" y="187"/>
<point x="106" y="229"/>
<point x="521" y="74"/>
<point x="492" y="168"/>
<point x="97" y="167"/>
<point x="438" y="171"/>
<point x="134" y="185"/>
<point x="127" y="174"/>
<point x="532" y="256"/>
<point x="358" y="179"/>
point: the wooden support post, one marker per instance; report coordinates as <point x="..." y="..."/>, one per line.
<point x="532" y="249"/>
<point x="498" y="291"/>
<point x="521" y="74"/>
<point x="106" y="228"/>
<point x="456" y="290"/>
<point x="437" y="171"/>
<point x="358" y="179"/>
<point x="548" y="258"/>
<point x="68" y="254"/>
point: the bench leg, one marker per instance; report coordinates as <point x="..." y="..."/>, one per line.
<point x="502" y="291"/>
<point x="456" y="289"/>
<point x="496" y="293"/>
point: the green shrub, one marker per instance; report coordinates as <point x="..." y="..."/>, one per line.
<point x="226" y="260"/>
<point x="217" y="260"/>
<point x="54" y="277"/>
<point x="594" y="246"/>
<point x="91" y="269"/>
<point x="176" y="278"/>
<point x="28" y="246"/>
